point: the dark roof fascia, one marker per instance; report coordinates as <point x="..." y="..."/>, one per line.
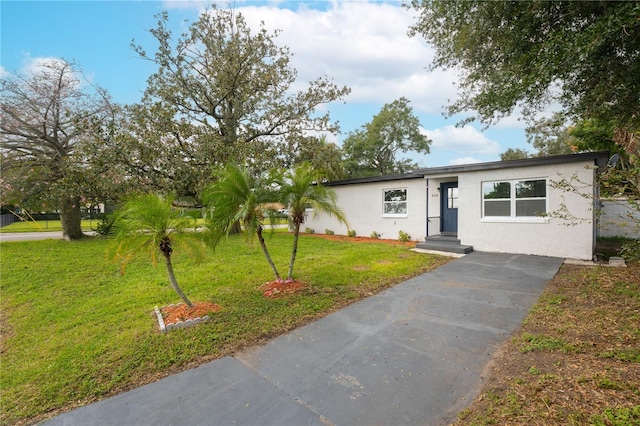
<point x="600" y="158"/>
<point x="373" y="179"/>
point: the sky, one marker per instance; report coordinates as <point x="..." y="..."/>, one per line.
<point x="361" y="44"/>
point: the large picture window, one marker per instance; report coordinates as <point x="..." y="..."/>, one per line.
<point x="395" y="202"/>
<point x="514" y="198"/>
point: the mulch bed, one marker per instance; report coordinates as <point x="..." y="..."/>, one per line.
<point x="364" y="240"/>
<point x="277" y="289"/>
<point x="175" y="313"/>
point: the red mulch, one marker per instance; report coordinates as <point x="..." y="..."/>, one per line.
<point x="363" y="239"/>
<point x="181" y="312"/>
<point x="275" y="289"/>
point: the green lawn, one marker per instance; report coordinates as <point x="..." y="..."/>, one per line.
<point x="87" y="225"/>
<point x="45" y="226"/>
<point x="74" y="330"/>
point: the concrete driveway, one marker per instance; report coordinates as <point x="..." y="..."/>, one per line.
<point x="413" y="354"/>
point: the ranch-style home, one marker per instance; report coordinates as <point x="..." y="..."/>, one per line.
<point x="502" y="206"/>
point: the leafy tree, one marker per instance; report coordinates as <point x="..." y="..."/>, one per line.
<point x="158" y="153"/>
<point x="47" y="152"/>
<point x="150" y="222"/>
<point x="595" y="135"/>
<point x="222" y="93"/>
<point x="300" y="189"/>
<point x="324" y="156"/>
<point x="241" y="197"/>
<point x="551" y="136"/>
<point x="583" y="54"/>
<point x="372" y="150"/>
<point x="514" y="154"/>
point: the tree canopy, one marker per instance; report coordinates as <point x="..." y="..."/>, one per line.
<point x="223" y="92"/>
<point x="583" y="54"/>
<point x="373" y="149"/>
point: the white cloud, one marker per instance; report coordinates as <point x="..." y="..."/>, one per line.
<point x="38" y="65"/>
<point x="374" y="56"/>
<point x="463" y="160"/>
<point x="363" y="45"/>
<point x="465" y="139"/>
<point x="42" y="66"/>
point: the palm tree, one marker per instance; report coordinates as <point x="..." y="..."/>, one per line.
<point x="149" y="222"/>
<point x="300" y="189"/>
<point x="240" y="197"/>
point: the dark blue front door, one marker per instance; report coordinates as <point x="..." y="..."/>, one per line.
<point x="449" y="207"/>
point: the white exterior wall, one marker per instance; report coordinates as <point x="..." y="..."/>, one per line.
<point x="538" y="236"/>
<point x="362" y="205"/>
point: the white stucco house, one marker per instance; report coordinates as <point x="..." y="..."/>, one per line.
<point x="502" y="206"/>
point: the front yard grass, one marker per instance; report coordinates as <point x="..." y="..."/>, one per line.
<point x="74" y="330"/>
<point x="45" y="226"/>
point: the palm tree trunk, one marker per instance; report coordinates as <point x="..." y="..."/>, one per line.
<point x="174" y="283"/>
<point x="267" y="255"/>
<point x="294" y="250"/>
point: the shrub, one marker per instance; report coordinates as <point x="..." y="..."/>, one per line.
<point x="329" y="232"/>
<point x="403" y="236"/>
<point x="631" y="250"/>
<point x="351" y="233"/>
<point x="375" y="235"/>
<point x="106" y="226"/>
<point x="309" y="231"/>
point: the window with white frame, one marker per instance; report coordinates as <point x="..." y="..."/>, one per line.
<point x="514" y="198"/>
<point x="394" y="202"/>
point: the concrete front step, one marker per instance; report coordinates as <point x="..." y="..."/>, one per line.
<point x="444" y="243"/>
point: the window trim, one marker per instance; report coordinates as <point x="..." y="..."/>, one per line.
<point x="513" y="202"/>
<point x="384" y="202"/>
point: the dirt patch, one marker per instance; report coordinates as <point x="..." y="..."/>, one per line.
<point x="576" y="359"/>
<point x="277" y="289"/>
<point x="181" y="312"/>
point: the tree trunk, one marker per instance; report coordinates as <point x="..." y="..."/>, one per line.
<point x="174" y="283"/>
<point x="294" y="250"/>
<point x="71" y="218"/>
<point x="267" y="255"/>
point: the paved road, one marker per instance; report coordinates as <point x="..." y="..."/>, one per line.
<point x="32" y="236"/>
<point x="413" y="354"/>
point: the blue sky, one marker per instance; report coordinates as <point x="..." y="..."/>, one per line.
<point x="357" y="43"/>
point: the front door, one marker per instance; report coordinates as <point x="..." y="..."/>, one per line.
<point x="449" y="207"/>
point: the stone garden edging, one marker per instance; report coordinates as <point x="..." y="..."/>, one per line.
<point x="178" y="325"/>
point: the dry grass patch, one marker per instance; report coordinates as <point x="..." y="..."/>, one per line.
<point x="576" y="359"/>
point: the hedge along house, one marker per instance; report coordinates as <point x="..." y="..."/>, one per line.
<point x="503" y="206"/>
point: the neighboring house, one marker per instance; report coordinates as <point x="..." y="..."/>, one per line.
<point x="503" y="206"/>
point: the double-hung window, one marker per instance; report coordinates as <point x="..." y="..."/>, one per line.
<point x="395" y="202"/>
<point x="514" y="198"/>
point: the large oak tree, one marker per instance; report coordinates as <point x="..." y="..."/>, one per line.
<point x="223" y="92"/>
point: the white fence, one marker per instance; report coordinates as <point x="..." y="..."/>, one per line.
<point x="618" y="219"/>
